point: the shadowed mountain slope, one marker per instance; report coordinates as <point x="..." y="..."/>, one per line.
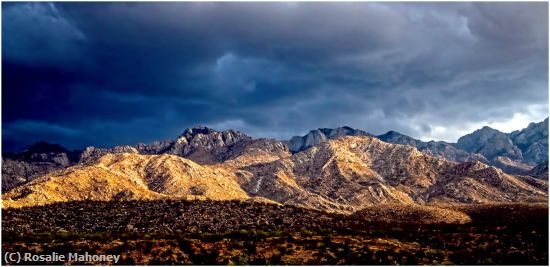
<point x="533" y="142"/>
<point x="314" y="137"/>
<point x="33" y="162"/>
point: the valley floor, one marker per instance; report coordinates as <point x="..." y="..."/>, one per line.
<point x="235" y="232"/>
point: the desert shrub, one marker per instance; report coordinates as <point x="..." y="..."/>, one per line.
<point x="306" y="232"/>
<point x="240" y="259"/>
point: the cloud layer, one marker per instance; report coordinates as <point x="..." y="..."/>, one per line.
<point x="121" y="73"/>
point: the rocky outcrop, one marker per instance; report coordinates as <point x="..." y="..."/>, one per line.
<point x="528" y="146"/>
<point x="448" y="151"/>
<point x="201" y="144"/>
<point x="511" y="166"/>
<point x="533" y="142"/>
<point x="513" y="152"/>
<point x="434" y="148"/>
<point x="490" y="143"/>
<point x="92" y="154"/>
<point x="205" y="145"/>
<point x="257" y="151"/>
<point x="155" y="148"/>
<point x="314" y="137"/>
<point x="475" y="182"/>
<point x="15" y="173"/>
<point x="43" y="152"/>
<point x="38" y="159"/>
<point x="401" y="139"/>
<point x="540" y="171"/>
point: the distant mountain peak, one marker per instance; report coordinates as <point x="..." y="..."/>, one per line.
<point x="393" y="133"/>
<point x="399" y="138"/>
<point x="485" y="131"/>
<point x="198" y="129"/>
<point x="533" y="142"/>
<point x="204" y="130"/>
<point x="490" y="143"/>
<point x="321" y="135"/>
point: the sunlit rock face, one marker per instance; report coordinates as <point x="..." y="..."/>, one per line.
<point x="342" y="175"/>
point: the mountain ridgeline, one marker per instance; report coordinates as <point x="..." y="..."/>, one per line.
<point x="340" y="170"/>
<point x="515" y="152"/>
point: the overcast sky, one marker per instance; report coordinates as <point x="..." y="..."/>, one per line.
<point x="107" y="74"/>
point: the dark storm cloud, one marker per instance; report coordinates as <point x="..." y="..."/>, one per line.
<point x="120" y="73"/>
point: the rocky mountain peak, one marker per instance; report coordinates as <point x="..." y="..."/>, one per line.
<point x="38" y="159"/>
<point x="467" y="168"/>
<point x="199" y="129"/>
<point x="490" y="143"/>
<point x="44" y="152"/>
<point x="533" y="142"/>
<point x="203" y="132"/>
<point x="206" y="145"/>
<point x="398" y="138"/>
<point x="92" y="154"/>
<point x="314" y="137"/>
<point x="540" y="171"/>
<point x="486" y="132"/>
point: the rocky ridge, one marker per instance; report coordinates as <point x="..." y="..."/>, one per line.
<point x="207" y="146"/>
<point x="515" y="152"/>
<point x="199" y="144"/>
<point x="38" y="159"/>
<point x="127" y="176"/>
<point x="342" y="175"/>
<point x="511" y="166"/>
<point x="490" y="143"/>
<point x="434" y="148"/>
<point x="314" y="137"/>
<point x="533" y="142"/>
<point x="539" y="171"/>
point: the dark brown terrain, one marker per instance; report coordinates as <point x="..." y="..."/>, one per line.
<point x="247" y="232"/>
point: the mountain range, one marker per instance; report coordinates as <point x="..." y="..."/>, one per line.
<point x="340" y="170"/>
<point x="516" y="153"/>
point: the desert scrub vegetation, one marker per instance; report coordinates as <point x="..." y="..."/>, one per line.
<point x="243" y="233"/>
